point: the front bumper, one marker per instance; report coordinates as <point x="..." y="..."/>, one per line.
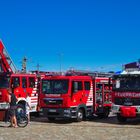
<point x="4" y="105"/>
<point x="126" y="111"/>
<point x="57" y="112"/>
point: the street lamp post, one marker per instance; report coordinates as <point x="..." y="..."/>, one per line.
<point x="60" y="62"/>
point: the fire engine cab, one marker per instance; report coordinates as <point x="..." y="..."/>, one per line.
<point x="126" y="92"/>
<point x="76" y="95"/>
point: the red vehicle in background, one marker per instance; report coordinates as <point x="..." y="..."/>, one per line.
<point x="126" y="92"/>
<point x="76" y="95"/>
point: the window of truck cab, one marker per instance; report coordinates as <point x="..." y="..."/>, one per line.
<point x="58" y="86"/>
<point x="15" y="82"/>
<point x="4" y="81"/>
<point x="87" y="85"/>
<point x="31" y="82"/>
<point x="24" y="82"/>
<point x="77" y="86"/>
<point x="127" y="83"/>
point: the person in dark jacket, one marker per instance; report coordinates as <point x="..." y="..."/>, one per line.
<point x="13" y="106"/>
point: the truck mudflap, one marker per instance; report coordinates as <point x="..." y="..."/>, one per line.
<point x="129" y="112"/>
<point x="2" y="115"/>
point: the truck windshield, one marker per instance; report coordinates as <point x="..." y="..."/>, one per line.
<point x="127" y="83"/>
<point x="4" y="82"/>
<point x="55" y="86"/>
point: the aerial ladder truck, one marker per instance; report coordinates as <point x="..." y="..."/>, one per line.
<point x="21" y="83"/>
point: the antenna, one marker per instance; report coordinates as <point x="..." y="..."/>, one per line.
<point x="60" y="61"/>
<point x="24" y="64"/>
<point x="38" y="67"/>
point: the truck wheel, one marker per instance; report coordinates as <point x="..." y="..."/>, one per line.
<point x="80" y="115"/>
<point x="51" y="119"/>
<point x="121" y="119"/>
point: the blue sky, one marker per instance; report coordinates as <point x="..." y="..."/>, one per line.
<point x="87" y="34"/>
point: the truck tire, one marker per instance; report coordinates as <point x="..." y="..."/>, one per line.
<point x="51" y="119"/>
<point x="80" y="115"/>
<point x="121" y="119"/>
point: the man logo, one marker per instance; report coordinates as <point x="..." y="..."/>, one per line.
<point x="127" y="100"/>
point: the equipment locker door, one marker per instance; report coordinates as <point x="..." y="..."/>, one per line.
<point x="99" y="96"/>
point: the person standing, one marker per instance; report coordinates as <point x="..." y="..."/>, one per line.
<point x="13" y="107"/>
<point x="28" y="106"/>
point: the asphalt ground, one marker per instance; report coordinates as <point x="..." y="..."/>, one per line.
<point x="93" y="129"/>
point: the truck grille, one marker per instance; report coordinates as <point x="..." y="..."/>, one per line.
<point x="127" y="101"/>
<point x="53" y="101"/>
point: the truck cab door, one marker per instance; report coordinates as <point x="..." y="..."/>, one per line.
<point x="77" y="93"/>
<point x="16" y="86"/>
<point x="24" y="86"/>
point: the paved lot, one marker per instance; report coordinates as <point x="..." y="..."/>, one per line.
<point x="98" y="129"/>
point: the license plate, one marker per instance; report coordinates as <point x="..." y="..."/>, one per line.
<point x="115" y="108"/>
<point x="52" y="110"/>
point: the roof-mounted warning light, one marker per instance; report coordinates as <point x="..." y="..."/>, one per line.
<point x="133" y="66"/>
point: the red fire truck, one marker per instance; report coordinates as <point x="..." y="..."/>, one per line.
<point x="21" y="83"/>
<point x="126" y="92"/>
<point x="76" y="95"/>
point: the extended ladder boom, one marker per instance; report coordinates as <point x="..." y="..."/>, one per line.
<point x="6" y="63"/>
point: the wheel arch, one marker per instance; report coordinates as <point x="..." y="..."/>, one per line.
<point x="83" y="108"/>
<point x="22" y="101"/>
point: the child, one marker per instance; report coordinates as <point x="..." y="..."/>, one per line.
<point x="28" y="106"/>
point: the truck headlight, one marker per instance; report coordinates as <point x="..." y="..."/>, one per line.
<point x="115" y="108"/>
<point x="66" y="111"/>
<point x="4" y="106"/>
<point x="138" y="108"/>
